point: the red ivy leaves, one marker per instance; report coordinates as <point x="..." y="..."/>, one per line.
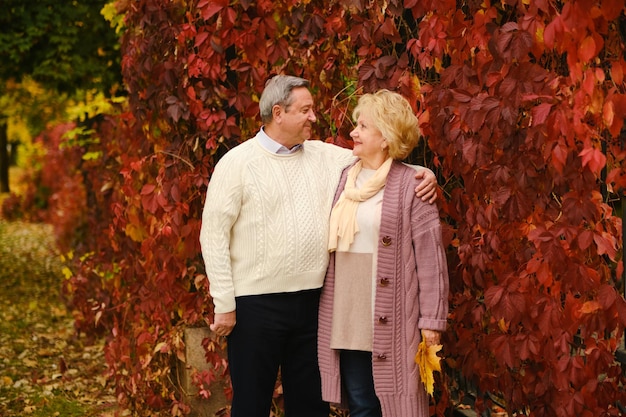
<point x="533" y="164"/>
<point x="208" y="8"/>
<point x="516" y="103"/>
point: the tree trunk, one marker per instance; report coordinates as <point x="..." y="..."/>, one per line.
<point x="4" y="157"/>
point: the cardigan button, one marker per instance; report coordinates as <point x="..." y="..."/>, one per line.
<point x="382" y="320"/>
<point x="384" y="282"/>
<point x="382" y="356"/>
<point x="386" y="240"/>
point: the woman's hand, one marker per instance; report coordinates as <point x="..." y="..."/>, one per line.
<point x="431" y="337"/>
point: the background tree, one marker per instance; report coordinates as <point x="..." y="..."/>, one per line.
<point x="65" y="46"/>
<point x="4" y="157"/>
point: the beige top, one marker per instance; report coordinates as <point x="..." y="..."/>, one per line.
<point x="352" y="323"/>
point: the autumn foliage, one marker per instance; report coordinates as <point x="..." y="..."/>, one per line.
<point x="522" y="107"/>
<point x="524" y="117"/>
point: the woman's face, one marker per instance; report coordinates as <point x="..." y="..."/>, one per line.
<point x="369" y="144"/>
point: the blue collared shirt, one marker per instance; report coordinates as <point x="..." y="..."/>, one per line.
<point x="273" y="146"/>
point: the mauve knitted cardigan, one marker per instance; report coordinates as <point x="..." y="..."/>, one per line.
<point x="411" y="294"/>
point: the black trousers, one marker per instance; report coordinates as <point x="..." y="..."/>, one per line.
<point x="276" y="331"/>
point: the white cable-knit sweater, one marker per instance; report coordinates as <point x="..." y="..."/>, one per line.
<point x="265" y="220"/>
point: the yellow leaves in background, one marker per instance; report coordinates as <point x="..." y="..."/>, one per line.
<point x="428" y="362"/>
<point x="114" y="16"/>
<point x="17" y="130"/>
<point x="6" y="381"/>
<point x="91" y="103"/>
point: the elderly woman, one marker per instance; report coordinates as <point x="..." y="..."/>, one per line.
<point x="387" y="283"/>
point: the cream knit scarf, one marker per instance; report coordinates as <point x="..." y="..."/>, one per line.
<point x="343" y="225"/>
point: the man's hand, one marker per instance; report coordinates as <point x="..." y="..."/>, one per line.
<point x="223" y="323"/>
<point x="427" y="189"/>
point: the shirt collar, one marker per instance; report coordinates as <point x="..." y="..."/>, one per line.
<point x="273" y="146"/>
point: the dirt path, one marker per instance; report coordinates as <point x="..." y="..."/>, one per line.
<point x="45" y="369"/>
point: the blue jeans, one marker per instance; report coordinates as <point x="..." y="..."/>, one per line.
<point x="358" y="380"/>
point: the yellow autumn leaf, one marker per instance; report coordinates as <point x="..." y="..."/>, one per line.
<point x="159" y="347"/>
<point x="428" y="362"/>
<point x="67" y="273"/>
<point x="135" y="232"/>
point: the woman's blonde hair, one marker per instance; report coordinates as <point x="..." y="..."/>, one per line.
<point x="392" y="114"/>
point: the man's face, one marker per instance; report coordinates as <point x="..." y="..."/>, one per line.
<point x="296" y="121"/>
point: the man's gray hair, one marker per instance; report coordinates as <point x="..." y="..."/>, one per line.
<point x="278" y="91"/>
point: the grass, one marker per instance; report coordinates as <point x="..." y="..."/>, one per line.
<point x="45" y="368"/>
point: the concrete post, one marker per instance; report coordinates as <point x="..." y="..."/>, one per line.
<point x="194" y="354"/>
